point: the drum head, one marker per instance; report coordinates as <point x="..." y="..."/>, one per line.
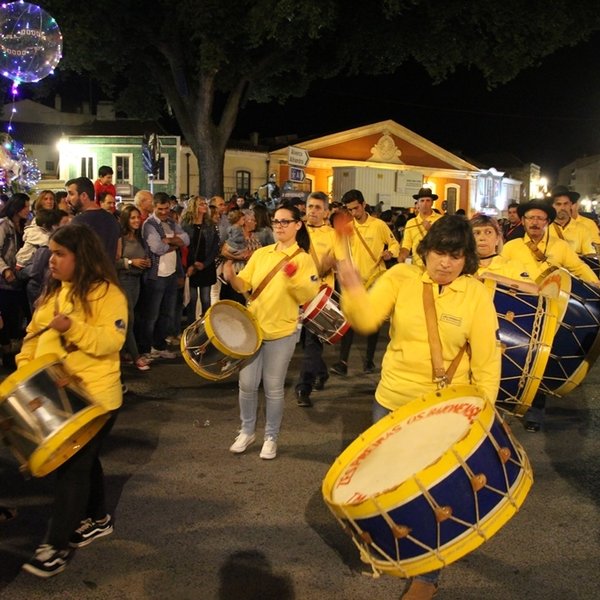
<point x="233" y="329"/>
<point x="312" y="308"/>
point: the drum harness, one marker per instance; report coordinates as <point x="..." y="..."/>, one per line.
<point x="441" y="376"/>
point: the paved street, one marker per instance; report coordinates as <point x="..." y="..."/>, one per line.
<point x="196" y="522"/>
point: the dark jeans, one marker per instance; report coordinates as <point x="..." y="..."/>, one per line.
<point x="131" y="286"/>
<point x="79" y="490"/>
<point x="160" y="301"/>
<point x="313" y="365"/>
<point x="346" y="344"/>
<point x="190" y="309"/>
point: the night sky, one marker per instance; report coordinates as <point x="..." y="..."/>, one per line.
<point x="548" y="115"/>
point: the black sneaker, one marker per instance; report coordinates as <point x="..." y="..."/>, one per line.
<point x="532" y="426"/>
<point x="90" y="530"/>
<point x="369" y="367"/>
<point x="339" y="368"/>
<point x="303" y="399"/>
<point x="48" y="561"/>
<point x="320" y="382"/>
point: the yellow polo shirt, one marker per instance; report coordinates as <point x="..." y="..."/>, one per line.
<point x="323" y="243"/>
<point x="465" y="312"/>
<point x="376" y="235"/>
<point x="577" y="236"/>
<point x="512" y="269"/>
<point x="93" y="340"/>
<point x="558" y="254"/>
<point x="277" y="306"/>
<point x="590" y="226"/>
<point x="414" y="232"/>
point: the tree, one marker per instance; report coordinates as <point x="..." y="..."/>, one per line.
<point x="205" y="58"/>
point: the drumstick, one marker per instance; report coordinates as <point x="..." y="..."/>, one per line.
<point x="342" y="223"/>
<point x="36" y="334"/>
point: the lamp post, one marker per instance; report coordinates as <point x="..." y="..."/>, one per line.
<point x="187" y="171"/>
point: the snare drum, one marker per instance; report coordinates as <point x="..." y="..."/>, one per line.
<point x="46" y="416"/>
<point x="576" y="342"/>
<point x="428" y="483"/>
<point x="216" y="345"/>
<point x="527" y="324"/>
<point x="323" y="317"/>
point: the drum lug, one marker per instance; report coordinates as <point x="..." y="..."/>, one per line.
<point x="505" y="454"/>
<point x="442" y="513"/>
<point x="478" y="482"/>
<point x="401" y="531"/>
<point x="366" y="537"/>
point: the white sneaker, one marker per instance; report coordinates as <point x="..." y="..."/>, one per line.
<point x="242" y="441"/>
<point x="269" y="449"/>
<point x="154" y="353"/>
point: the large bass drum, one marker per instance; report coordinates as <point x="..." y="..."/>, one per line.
<point x="428" y="483"/>
<point x="46" y="416"/>
<point x="218" y="344"/>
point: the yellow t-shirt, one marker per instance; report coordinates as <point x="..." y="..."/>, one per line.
<point x="414" y="232"/>
<point x="576" y="234"/>
<point x="277" y="306"/>
<point x="465" y="313"/>
<point x="322" y="243"/>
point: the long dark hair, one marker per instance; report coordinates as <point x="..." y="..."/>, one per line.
<point x="124" y="221"/>
<point x="93" y="268"/>
<point x="302" y="237"/>
<point x="451" y="234"/>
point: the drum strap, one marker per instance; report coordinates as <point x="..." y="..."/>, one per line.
<point x="362" y="241"/>
<point x="536" y="251"/>
<point x="559" y="231"/>
<point x="263" y="284"/>
<point x="441" y="376"/>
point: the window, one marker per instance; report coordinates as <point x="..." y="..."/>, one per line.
<point x="87" y="167"/>
<point x="122" y="166"/>
<point x="162" y="176"/>
<point x="452" y="197"/>
<point x="242" y="182"/>
<point x="50" y="166"/>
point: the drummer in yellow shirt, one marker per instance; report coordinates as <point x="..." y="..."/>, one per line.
<point x="277" y="311"/>
<point x="465" y="314"/>
<point x="370" y="244"/>
<point x="566" y="228"/>
<point x="82" y="318"/>
<point x="313" y="372"/>
<point x="416" y="228"/>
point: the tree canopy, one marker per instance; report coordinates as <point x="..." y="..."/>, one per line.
<point x="204" y="59"/>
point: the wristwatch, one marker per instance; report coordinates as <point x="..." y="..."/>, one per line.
<point x="129" y="262"/>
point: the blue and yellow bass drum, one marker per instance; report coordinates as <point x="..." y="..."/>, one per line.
<point x="428" y="483"/>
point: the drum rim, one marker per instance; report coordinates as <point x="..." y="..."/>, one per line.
<point x="407" y="488"/>
<point x="217" y="342"/>
<point x="38" y="463"/>
<point x="320" y="304"/>
<point x="34" y="366"/>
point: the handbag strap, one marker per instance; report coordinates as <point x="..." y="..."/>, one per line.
<point x="263" y="284"/>
<point x="441" y="376"/>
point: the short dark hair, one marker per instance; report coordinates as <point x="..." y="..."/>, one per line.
<point x="102" y="196"/>
<point x="161" y="198"/>
<point x="352" y="195"/>
<point x="451" y="234"/>
<point x="105" y="170"/>
<point x="322" y="196"/>
<point x="48" y="218"/>
<point x="513" y="204"/>
<point x="83" y="185"/>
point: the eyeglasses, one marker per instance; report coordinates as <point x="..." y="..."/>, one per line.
<point x="283" y="222"/>
<point x="541" y="219"/>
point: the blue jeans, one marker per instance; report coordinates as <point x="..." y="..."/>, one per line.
<point x="270" y="365"/>
<point x="378" y="412"/>
<point x="131" y="286"/>
<point x="160" y="300"/>
<point x="190" y="309"/>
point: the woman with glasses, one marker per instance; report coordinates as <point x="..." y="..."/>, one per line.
<point x="82" y="317"/>
<point x="287" y="277"/>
